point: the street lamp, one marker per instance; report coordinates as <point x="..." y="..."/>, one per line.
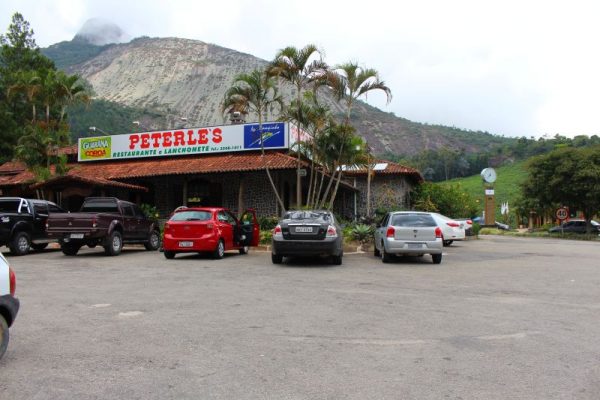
<point x="94" y="129"/>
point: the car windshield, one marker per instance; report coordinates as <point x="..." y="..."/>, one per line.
<point x="9" y="205"/>
<point x="302" y="215"/>
<point x="192" y="216"/>
<point x="413" y="220"/>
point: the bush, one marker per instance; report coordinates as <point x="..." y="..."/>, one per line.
<point x="266" y="236"/>
<point x="476" y="228"/>
<point x="362" y="233"/>
<point x="150" y="211"/>
<point x="267" y="223"/>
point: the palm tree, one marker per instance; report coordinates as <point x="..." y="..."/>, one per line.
<point x="255" y="92"/>
<point x="295" y="67"/>
<point x="313" y="117"/>
<point x="29" y="83"/>
<point x="349" y="81"/>
<point x="70" y="91"/>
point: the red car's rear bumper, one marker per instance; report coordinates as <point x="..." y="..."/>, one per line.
<point x="206" y="242"/>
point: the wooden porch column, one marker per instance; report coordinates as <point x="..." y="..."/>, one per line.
<point x="185" y="192"/>
<point x="241" y="196"/>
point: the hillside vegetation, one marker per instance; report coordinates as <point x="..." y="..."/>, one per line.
<point x="506" y="187"/>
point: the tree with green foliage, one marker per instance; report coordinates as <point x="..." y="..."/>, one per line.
<point x="567" y="176"/>
<point x="255" y="92"/>
<point x="449" y="200"/>
<point x="295" y="67"/>
<point x="19" y="55"/>
<point x="349" y="82"/>
<point x="30" y="80"/>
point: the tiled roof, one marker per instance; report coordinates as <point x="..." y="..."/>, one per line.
<point x="12" y="167"/>
<point x="20" y="178"/>
<point x="391" y="168"/>
<point x="235" y="162"/>
<point x="90" y="181"/>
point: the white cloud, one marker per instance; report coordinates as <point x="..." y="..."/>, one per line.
<point x="513" y="67"/>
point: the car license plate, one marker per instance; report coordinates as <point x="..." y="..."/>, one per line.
<point x="304" y="229"/>
<point x="76" y="235"/>
<point x="186" y="244"/>
<point x="415" y="246"/>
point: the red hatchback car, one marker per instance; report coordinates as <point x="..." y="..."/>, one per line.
<point x="209" y="229"/>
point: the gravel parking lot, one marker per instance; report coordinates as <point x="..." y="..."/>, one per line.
<point x="499" y="318"/>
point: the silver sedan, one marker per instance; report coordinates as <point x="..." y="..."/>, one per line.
<point x="408" y="233"/>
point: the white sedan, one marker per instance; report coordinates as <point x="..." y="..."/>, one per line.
<point x="9" y="305"/>
<point x="451" y="229"/>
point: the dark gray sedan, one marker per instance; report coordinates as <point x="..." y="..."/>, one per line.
<point x="307" y="233"/>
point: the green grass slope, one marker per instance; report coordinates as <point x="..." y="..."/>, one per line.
<point x="506" y="187"/>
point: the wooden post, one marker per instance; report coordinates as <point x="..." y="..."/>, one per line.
<point x="241" y="196"/>
<point x="185" y="192"/>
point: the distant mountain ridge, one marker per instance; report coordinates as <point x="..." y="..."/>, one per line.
<point x="188" y="78"/>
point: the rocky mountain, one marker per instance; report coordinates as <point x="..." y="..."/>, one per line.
<point x="181" y="78"/>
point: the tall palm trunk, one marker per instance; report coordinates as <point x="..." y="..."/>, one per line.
<point x="265" y="164"/>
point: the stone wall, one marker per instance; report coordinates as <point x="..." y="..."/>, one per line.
<point x="166" y="192"/>
<point x="387" y="191"/>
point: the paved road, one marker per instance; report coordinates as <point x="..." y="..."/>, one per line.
<point x="500" y="318"/>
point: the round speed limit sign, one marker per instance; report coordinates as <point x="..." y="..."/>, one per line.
<point x="562" y="213"/>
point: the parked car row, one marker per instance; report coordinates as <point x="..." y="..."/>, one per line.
<point x="110" y="223"/>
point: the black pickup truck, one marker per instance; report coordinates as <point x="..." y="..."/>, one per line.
<point x="105" y="221"/>
<point x="23" y="223"/>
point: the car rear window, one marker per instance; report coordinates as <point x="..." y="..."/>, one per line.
<point x="99" y="206"/>
<point x="192" y="216"/>
<point x="9" y="205"/>
<point x="300" y="215"/>
<point x="416" y="220"/>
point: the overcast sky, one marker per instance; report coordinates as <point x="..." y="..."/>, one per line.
<point x="515" y="68"/>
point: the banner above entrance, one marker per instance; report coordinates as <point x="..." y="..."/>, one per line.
<point x="214" y="139"/>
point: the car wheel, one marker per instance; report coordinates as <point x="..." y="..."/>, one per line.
<point x="4" y="336"/>
<point x="276" y="258"/>
<point x="376" y="252"/>
<point x="244" y="250"/>
<point x="385" y="256"/>
<point x="437" y="258"/>
<point x="70" y="249"/>
<point x="447" y="243"/>
<point x="114" y="245"/>
<point x="153" y="242"/>
<point x="220" y="250"/>
<point x="39" y="246"/>
<point x="169" y="255"/>
<point x="20" y="244"/>
<point x="336" y="260"/>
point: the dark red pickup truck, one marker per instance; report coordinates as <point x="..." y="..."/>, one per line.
<point x="105" y="221"/>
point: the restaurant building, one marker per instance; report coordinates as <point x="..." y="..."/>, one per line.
<point x="217" y="166"/>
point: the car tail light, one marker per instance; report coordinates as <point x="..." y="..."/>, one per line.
<point x="94" y="222"/>
<point x="453" y="224"/>
<point x="277" y="233"/>
<point x="469" y="222"/>
<point x="390" y="232"/>
<point x="438" y="232"/>
<point x="331" y="231"/>
<point x="13" y="281"/>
